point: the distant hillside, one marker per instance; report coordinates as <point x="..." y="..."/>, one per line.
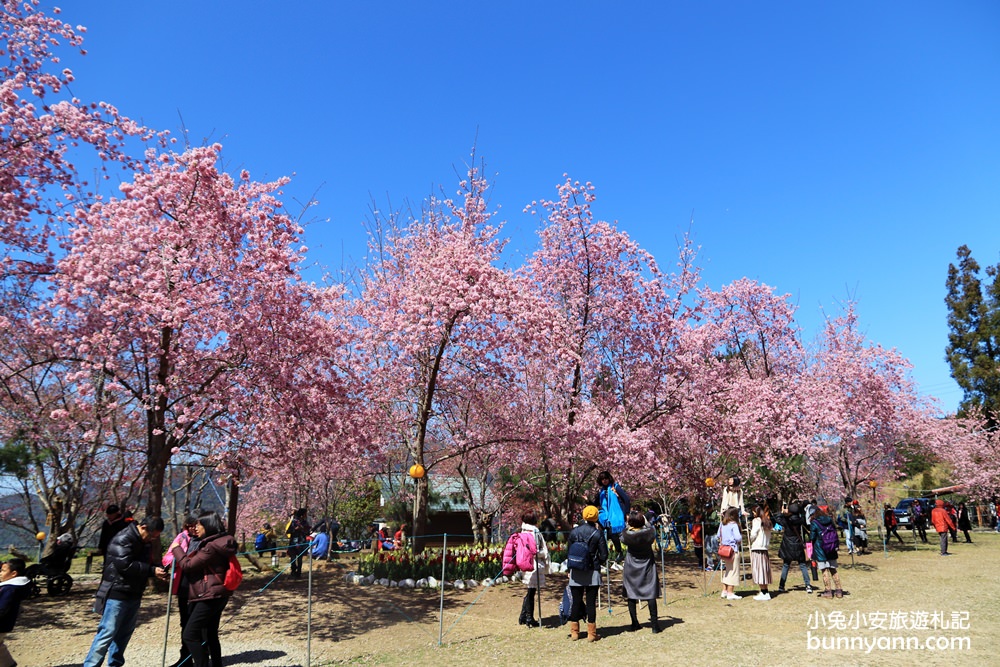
<point x="13" y="506"/>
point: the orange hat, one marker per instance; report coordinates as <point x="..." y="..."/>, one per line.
<point x="590" y="513"/>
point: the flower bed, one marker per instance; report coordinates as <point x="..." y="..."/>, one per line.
<point x="467" y="562"/>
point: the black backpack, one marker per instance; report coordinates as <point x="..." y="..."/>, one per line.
<point x="579" y="555"/>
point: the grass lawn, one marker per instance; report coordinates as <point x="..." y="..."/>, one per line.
<point x="886" y="596"/>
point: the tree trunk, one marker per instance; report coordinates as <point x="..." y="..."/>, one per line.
<point x="155" y="474"/>
<point x="232" y="506"/>
<point x="420" y="515"/>
<point x="55" y="526"/>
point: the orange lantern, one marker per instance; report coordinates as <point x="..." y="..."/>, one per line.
<point x="873" y="484"/>
<point x="40" y="536"/>
<point x="416" y="471"/>
<point x="709" y="482"/>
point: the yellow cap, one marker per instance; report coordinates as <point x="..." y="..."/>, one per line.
<point x="590" y="513"/>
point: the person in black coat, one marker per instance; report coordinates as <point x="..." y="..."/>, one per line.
<point x="127" y="569"/>
<point x="964" y="523"/>
<point x="298" y="544"/>
<point x="114" y="523"/>
<point x="792" y="546"/>
<point x="14" y="587"/>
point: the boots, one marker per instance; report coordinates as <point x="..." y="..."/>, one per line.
<point x="635" y="619"/>
<point x="527" y="616"/>
<point x="654" y="617"/>
<point x="592" y="632"/>
<point x="574" y="630"/>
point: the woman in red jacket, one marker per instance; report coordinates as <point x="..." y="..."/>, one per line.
<point x="205" y="569"/>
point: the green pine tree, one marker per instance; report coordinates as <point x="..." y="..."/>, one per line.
<point x="973" y="350"/>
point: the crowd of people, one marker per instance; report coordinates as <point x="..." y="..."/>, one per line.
<point x="611" y="536"/>
<point x="813" y="537"/>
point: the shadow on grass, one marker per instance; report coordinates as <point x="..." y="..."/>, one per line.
<point x="857" y="565"/>
<point x="254" y="657"/>
<point x="351" y="610"/>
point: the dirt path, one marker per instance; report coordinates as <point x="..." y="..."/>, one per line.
<point x="374" y="625"/>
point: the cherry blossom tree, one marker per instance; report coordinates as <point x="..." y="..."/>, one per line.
<point x="173" y="292"/>
<point x="73" y="454"/>
<point x="599" y="370"/>
<point x="41" y="127"/>
<point x="863" y="407"/>
<point x="432" y="308"/>
<point x="747" y="402"/>
<point x="45" y="133"/>
<point x="971" y="448"/>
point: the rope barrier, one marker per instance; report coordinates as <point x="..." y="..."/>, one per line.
<point x="303" y="549"/>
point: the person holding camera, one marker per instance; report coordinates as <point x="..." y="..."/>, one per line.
<point x="639" y="576"/>
<point x="792" y="547"/>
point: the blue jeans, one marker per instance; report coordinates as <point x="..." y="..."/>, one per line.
<point x="114" y="631"/>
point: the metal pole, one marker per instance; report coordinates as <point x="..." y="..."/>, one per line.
<point x="444" y="561"/>
<point x="608" y="566"/>
<point x="538" y="582"/>
<point x="166" y="630"/>
<point x="309" y="612"/>
<point x="663" y="579"/>
<point x="538" y="592"/>
<point x="704" y="554"/>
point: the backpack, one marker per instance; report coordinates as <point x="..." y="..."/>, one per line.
<point x="566" y="606"/>
<point x="260" y="542"/>
<point x="234" y="575"/>
<point x="519" y="553"/>
<point x="578" y="555"/>
<point x="613" y="508"/>
<point x="829" y="540"/>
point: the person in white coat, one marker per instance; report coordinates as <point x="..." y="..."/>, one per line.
<point x="760" y="540"/>
<point x="533" y="579"/>
<point x="732" y="496"/>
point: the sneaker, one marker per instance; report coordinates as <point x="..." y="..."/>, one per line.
<point x="731" y="596"/>
<point x="762" y="596"/>
<point x="809" y="589"/>
<point x="826" y="594"/>
<point x="616" y="567"/>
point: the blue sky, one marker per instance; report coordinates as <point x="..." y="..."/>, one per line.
<point x="831" y="150"/>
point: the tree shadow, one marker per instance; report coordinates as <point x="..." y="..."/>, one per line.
<point x="254" y="657"/>
<point x="353" y="610"/>
<point x="864" y="567"/>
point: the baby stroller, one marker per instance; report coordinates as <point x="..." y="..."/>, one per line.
<point x="54" y="568"/>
